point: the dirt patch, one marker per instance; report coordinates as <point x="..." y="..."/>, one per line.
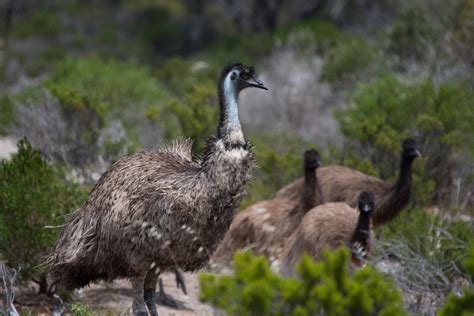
<point x="116" y="298"/>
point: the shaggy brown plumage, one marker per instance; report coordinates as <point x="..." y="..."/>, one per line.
<point x="342" y="184"/>
<point x="331" y="225"/>
<point x="263" y="226"/>
<point x="159" y="210"/>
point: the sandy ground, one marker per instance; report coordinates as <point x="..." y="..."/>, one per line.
<point x="116" y="298"/>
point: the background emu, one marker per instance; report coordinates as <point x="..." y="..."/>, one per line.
<point x="160" y="210"/>
<point x="342" y="184"/>
<point x="331" y="225"/>
<point x="263" y="226"/>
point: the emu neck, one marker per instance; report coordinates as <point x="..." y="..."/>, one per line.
<point x="362" y="230"/>
<point x="229" y="126"/>
<point x="309" y="190"/>
<point x="398" y="196"/>
<point x="404" y="178"/>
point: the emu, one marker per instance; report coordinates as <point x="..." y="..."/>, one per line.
<point x="263" y="226"/>
<point x="342" y="184"/>
<point x="331" y="225"/>
<point x="157" y="211"/>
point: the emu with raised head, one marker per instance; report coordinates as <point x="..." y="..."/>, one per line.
<point x="342" y="184"/>
<point x="157" y="211"/>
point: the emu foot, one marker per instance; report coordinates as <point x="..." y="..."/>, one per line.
<point x="180" y="282"/>
<point x="150" y="301"/>
<point x="164" y="299"/>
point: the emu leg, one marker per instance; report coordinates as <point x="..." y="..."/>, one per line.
<point x="164" y="299"/>
<point x="58" y="306"/>
<point x="180" y="281"/>
<point x="149" y="287"/>
<point x="138" y="306"/>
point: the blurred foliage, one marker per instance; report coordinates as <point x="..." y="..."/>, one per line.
<point x="81" y="309"/>
<point x="411" y="34"/>
<point x="444" y="243"/>
<point x="33" y="194"/>
<point x="349" y="59"/>
<point x="40" y="22"/>
<point x="107" y="86"/>
<point x="157" y="28"/>
<point x="6" y="108"/>
<point x="386" y="111"/>
<point x="463" y="33"/>
<point x="196" y="115"/>
<point x="461" y="305"/>
<point x="94" y="91"/>
<point x="319" y="287"/>
<point x="309" y="33"/>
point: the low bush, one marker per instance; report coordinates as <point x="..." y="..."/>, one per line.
<point x="318" y="287"/>
<point x="349" y="60"/>
<point x="33" y="194"/>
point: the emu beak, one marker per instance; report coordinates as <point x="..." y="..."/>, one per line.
<point x="418" y="153"/>
<point x="320" y="163"/>
<point x="256" y="82"/>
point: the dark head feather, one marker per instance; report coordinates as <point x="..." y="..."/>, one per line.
<point x="312" y="159"/>
<point x="366" y="198"/>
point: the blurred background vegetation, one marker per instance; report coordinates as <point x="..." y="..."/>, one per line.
<point x="89" y="81"/>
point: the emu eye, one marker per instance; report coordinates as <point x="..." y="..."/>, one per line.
<point x="245" y="76"/>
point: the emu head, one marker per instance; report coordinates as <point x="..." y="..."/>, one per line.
<point x="238" y="77"/>
<point x="312" y="159"/>
<point x="410" y="149"/>
<point x="366" y="202"/>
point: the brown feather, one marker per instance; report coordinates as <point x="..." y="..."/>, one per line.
<point x="329" y="225"/>
<point x="342" y="184"/>
<point x="152" y="207"/>
<point x="264" y="226"/>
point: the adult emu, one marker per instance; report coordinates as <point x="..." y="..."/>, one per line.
<point x="264" y="226"/>
<point x="331" y="225"/>
<point x="342" y="184"/>
<point x="159" y="210"/>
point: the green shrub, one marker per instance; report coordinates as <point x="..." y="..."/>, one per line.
<point x="6" y="108"/>
<point x="93" y="90"/>
<point x="318" y="287"/>
<point x="196" y="115"/>
<point x="461" y="305"/>
<point x="411" y="33"/>
<point x="81" y="309"/>
<point x="348" y="59"/>
<point x="314" y="33"/>
<point x="40" y="23"/>
<point x="33" y="194"/>
<point x="107" y="86"/>
<point x="442" y="245"/>
<point x="415" y="228"/>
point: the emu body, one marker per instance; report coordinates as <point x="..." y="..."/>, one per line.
<point x="263" y="226"/>
<point x="331" y="225"/>
<point x="342" y="184"/>
<point x="160" y="210"/>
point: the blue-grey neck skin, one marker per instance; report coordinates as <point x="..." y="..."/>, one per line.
<point x="230" y="101"/>
<point x="229" y="126"/>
